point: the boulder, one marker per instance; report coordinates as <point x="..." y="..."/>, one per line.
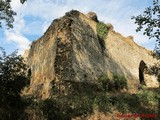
<point x="92" y="16"/>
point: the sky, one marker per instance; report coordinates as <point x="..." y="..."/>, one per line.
<point x="35" y="16"/>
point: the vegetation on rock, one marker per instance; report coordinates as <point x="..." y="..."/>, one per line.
<point x="102" y="31"/>
<point x="118" y="82"/>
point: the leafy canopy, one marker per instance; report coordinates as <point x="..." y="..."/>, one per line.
<point x="149" y="21"/>
<point x="6" y="13"/>
<point x="13" y="76"/>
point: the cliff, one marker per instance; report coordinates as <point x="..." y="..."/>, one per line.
<point x="70" y="50"/>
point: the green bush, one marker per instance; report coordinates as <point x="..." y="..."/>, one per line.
<point x="122" y="105"/>
<point x="118" y="82"/>
<point x="103" y="102"/>
<point x="83" y="104"/>
<point x="102" y="30"/>
<point x="13" y="76"/>
<point x="13" y="79"/>
<point x="106" y="83"/>
<point x="147" y="97"/>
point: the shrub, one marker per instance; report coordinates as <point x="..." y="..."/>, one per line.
<point x="13" y="76"/>
<point x="106" y="83"/>
<point x="13" y="79"/>
<point x="33" y="112"/>
<point x="118" y="82"/>
<point x="83" y="104"/>
<point x="103" y="102"/>
<point x="122" y="105"/>
<point x="147" y="97"/>
<point x="102" y="30"/>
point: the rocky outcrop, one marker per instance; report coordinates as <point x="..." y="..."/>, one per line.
<point x="92" y="16"/>
<point x="128" y="55"/>
<point x="70" y="50"/>
<point x="152" y="75"/>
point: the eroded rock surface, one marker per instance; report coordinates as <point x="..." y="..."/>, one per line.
<point x="92" y="16"/>
<point x="70" y="50"/>
<point x="152" y="75"/>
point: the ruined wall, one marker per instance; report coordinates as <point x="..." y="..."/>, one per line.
<point x="63" y="60"/>
<point x="41" y="62"/>
<point x="127" y="54"/>
<point x="70" y="50"/>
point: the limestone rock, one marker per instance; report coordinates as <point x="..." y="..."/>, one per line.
<point x="109" y="26"/>
<point x="92" y="16"/>
<point x="152" y="75"/>
<point x="151" y="81"/>
<point x="70" y="50"/>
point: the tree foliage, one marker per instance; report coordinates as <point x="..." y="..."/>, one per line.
<point x="149" y="21"/>
<point x="6" y="12"/>
<point x="13" y="77"/>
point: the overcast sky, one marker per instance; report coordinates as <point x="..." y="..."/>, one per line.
<point x="34" y="17"/>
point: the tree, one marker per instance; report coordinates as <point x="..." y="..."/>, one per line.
<point x="13" y="77"/>
<point x="6" y="13"/>
<point x="149" y="21"/>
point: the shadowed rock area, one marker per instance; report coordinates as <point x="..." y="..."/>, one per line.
<point x="70" y="50"/>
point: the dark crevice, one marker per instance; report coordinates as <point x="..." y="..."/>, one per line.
<point x="142" y="66"/>
<point x="102" y="44"/>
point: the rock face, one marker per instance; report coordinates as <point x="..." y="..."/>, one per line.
<point x="92" y="16"/>
<point x="70" y="50"/>
<point x="151" y="74"/>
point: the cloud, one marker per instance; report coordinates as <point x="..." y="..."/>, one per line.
<point x="20" y="40"/>
<point x="15" y="38"/>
